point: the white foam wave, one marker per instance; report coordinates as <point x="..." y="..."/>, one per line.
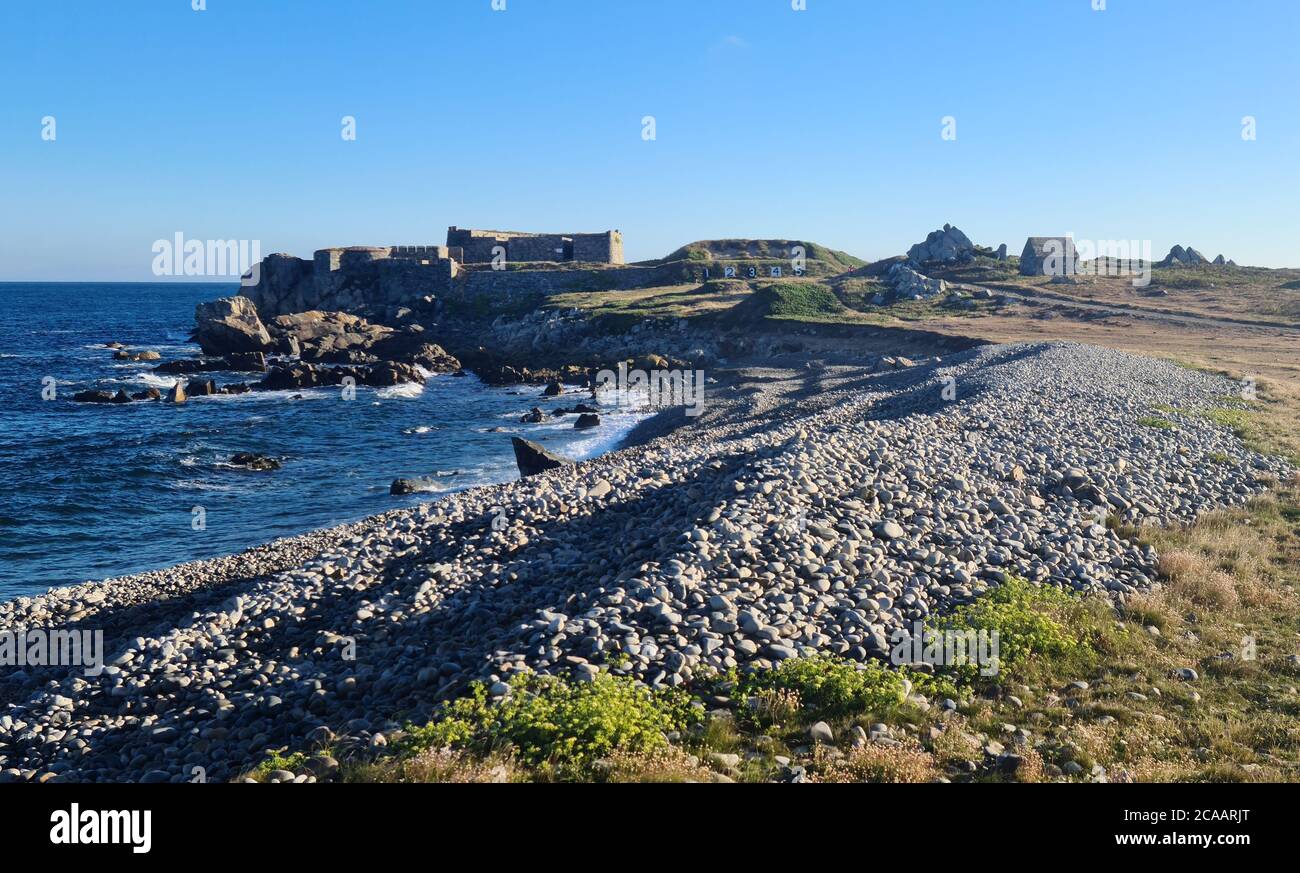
<point x="403" y="391"/>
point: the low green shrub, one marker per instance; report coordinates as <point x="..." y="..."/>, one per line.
<point x="551" y="723"/>
<point x="832" y="686"/>
<point x="1040" y="629"/>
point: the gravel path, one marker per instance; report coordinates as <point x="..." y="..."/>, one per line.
<point x="818" y="509"/>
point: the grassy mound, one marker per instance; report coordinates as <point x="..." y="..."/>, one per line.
<point x="796" y="300"/>
<point x="822" y="260"/>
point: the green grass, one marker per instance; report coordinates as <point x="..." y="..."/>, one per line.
<point x="1156" y="422"/>
<point x="1234" y="419"/>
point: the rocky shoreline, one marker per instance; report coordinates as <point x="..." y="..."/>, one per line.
<point x="817" y="509"/>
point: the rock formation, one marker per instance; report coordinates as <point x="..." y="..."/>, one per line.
<point x="948" y="245"/>
<point x="1183" y="257"/>
<point x="230" y="324"/>
<point x="908" y="283"/>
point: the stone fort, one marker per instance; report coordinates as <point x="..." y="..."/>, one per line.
<point x="473" y="263"/>
<point x="482" y="246"/>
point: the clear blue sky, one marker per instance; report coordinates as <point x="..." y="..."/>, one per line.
<point x="822" y="124"/>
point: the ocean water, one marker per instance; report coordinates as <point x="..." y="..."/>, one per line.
<point x="89" y="491"/>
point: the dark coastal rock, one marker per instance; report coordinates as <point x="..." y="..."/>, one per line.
<point x="389" y="373"/>
<point x="533" y="458"/>
<point x="533" y="416"/>
<point x="284" y="378"/>
<point x="408" y="486"/>
<point x="345" y="356"/>
<point x="287" y="345"/>
<point x="577" y="409"/>
<point x="586" y="420"/>
<point x="553" y="389"/>
<point x="177" y="393"/>
<point x="303" y="375"/>
<point x="230" y="324"/>
<point x="246" y="362"/>
<point x="191" y="365"/>
<point x="239" y="362"/>
<point x="236" y="388"/>
<point x="201" y="387"/>
<point x="99" y="396"/>
<point x="147" y="394"/>
<point x="435" y="359"/>
<point x="124" y="355"/>
<point x="254" y="461"/>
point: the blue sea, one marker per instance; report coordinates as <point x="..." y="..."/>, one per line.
<point x="89" y="491"/>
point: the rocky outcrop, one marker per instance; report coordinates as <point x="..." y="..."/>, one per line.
<point x="532" y="458"/>
<point x="284" y="284"/>
<point x="177" y="393"/>
<point x="908" y="283"/>
<point x="236" y="362"/>
<point x="1183" y="257"/>
<point x="344" y="338"/>
<point x="286" y="377"/>
<point x="947" y="246"/>
<point x="230" y="324"/>
<point x="321" y="334"/>
<point x="100" y="396"/>
<point x="1221" y="261"/>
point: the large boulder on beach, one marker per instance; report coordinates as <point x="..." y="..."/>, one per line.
<point x="228" y="325"/>
<point x="533" y="458"/>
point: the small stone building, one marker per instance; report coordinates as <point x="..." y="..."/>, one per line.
<point x="1049" y="256"/>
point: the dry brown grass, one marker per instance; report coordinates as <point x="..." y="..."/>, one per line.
<point x="1227" y="559"/>
<point x="1191" y="577"/>
<point x="777" y="705"/>
<point x="1031" y="767"/>
<point x="662" y="765"/>
<point x="955" y="744"/>
<point x="436" y="765"/>
<point x="879" y="763"/>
